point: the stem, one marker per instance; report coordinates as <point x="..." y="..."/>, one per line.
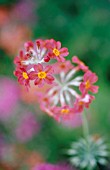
<point x="85" y="126"/>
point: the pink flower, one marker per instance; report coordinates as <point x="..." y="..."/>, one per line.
<point x="88" y="80"/>
<point x="21" y="57"/>
<point x="27" y="127"/>
<point x="42" y="75"/>
<point x="62" y="113"/>
<point x="81" y="65"/>
<point x="62" y="67"/>
<point x="47" y="166"/>
<point x="82" y="102"/>
<point x="23" y="76"/>
<point x="56" y="51"/>
<point x="9" y="97"/>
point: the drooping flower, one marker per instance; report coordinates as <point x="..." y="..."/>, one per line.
<point x="42" y="75"/>
<point x="88" y="80"/>
<point x="81" y="65"/>
<point x="83" y="101"/>
<point x="56" y="51"/>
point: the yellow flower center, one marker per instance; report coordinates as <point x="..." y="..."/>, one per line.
<point x="56" y="52"/>
<point x="81" y="103"/>
<point x="87" y="84"/>
<point x="42" y="75"/>
<point x="65" y="111"/>
<point x="25" y="76"/>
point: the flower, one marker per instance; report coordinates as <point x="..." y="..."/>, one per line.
<point x="42" y="75"/>
<point x="46" y="166"/>
<point x="83" y="101"/>
<point x="88" y="80"/>
<point x="56" y="51"/>
<point x="27" y="127"/>
<point x="23" y="76"/>
<point x="63" y="67"/>
<point x="81" y="65"/>
<point x="9" y="97"/>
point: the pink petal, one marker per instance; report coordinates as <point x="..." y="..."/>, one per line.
<point x="64" y="51"/>
<point x="58" y="44"/>
<point x="38" y="67"/>
<point x="94" y="89"/>
<point x="49" y="79"/>
<point x="48" y="69"/>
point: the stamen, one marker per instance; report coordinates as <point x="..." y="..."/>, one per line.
<point x="25" y="76"/>
<point x="56" y="52"/>
<point x="42" y="75"/>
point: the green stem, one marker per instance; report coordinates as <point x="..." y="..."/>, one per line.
<point x="85" y="126"/>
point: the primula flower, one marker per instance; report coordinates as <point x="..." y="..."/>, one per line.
<point x="82" y="102"/>
<point x="42" y="75"/>
<point x="89" y="79"/>
<point x="23" y="76"/>
<point x="56" y="51"/>
<point x="63" y="67"/>
<point x="27" y="127"/>
<point x="81" y="65"/>
<point x="18" y="60"/>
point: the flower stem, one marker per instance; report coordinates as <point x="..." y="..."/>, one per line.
<point x="85" y="126"/>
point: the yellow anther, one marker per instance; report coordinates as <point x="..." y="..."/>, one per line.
<point x="42" y="75"/>
<point x="25" y="76"/>
<point x="56" y="52"/>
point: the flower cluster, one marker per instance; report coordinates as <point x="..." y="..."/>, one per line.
<point x="66" y="94"/>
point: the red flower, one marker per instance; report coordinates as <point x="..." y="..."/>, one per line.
<point x="82" y="102"/>
<point x="89" y="79"/>
<point x="56" y="51"/>
<point x="18" y="59"/>
<point x="81" y="65"/>
<point x="42" y="75"/>
<point x="23" y="76"/>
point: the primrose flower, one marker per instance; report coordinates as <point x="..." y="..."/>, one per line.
<point x="42" y="75"/>
<point x="89" y="79"/>
<point x="23" y="77"/>
<point x="56" y="51"/>
<point x="81" y="65"/>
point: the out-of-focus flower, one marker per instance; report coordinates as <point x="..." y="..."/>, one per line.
<point x="27" y="127"/>
<point x="9" y="96"/>
<point x="4" y="15"/>
<point x="47" y="166"/>
<point x="33" y="159"/>
<point x="12" y="33"/>
<point x="24" y="11"/>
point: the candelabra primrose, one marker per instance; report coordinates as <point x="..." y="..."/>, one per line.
<point x="69" y="85"/>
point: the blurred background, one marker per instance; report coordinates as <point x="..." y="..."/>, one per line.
<point x="28" y="136"/>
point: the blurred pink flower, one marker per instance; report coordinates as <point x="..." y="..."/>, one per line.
<point x="47" y="166"/>
<point x="27" y="127"/>
<point x="24" y="10"/>
<point x="9" y="96"/>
